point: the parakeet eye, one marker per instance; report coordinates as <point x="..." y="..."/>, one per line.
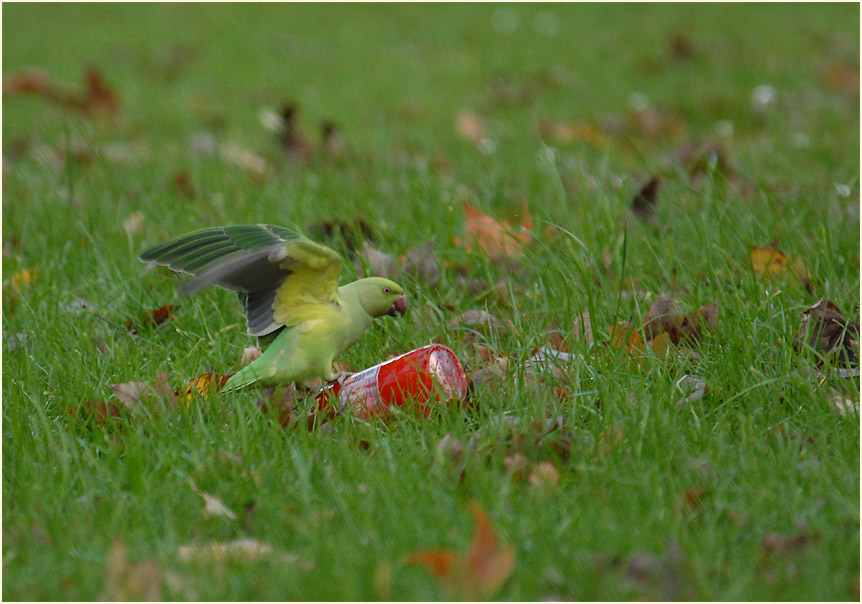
<point x="386" y="290"/>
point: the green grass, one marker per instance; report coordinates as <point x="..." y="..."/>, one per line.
<point x="343" y="507"/>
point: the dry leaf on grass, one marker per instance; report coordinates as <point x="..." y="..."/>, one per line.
<point x="127" y="581"/>
<point x="213" y="506"/>
<point x="421" y="263"/>
<point x="135" y="394"/>
<point x="825" y="330"/>
<point x="771" y="261"/>
<point x="239" y="549"/>
<point x="151" y="318"/>
<point x="249" y="355"/>
<point x="497" y="238"/>
<point x="481" y="572"/>
<point x="644" y="202"/>
<point x="476" y="319"/>
<point x="379" y="264"/>
<point x="470" y="127"/>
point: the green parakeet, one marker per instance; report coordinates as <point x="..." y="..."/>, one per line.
<point x="289" y="287"/>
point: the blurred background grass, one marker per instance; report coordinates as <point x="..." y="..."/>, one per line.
<point x="775" y="87"/>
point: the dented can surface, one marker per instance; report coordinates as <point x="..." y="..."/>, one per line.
<point x="420" y="378"/>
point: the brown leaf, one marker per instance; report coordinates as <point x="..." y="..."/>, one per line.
<point x="99" y="97"/>
<point x="232" y="153"/>
<point x="29" y="81"/>
<point x="249" y="355"/>
<point x="479" y="574"/>
<point x="184" y="185"/>
<point x="826" y="331"/>
<point x="239" y="549"/>
<point x="582" y="329"/>
<point x="643" y="204"/>
<point x="493" y="374"/>
<point x="421" y="263"/>
<point x="660" y="318"/>
<point x="469" y="126"/>
<point x="151" y="318"/>
<point x="544" y="477"/>
<point x="497" y="238"/>
<point x="380" y="264"/>
<point x="680" y="47"/>
<point x="476" y="318"/>
<point x="555" y="338"/>
<point x="125" y="581"/>
<point x="291" y="139"/>
<point x="213" y="506"/>
<point x="131" y="393"/>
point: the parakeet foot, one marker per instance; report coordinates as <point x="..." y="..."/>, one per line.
<point x="341" y="376"/>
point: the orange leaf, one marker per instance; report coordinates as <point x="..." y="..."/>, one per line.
<point x="768" y="260"/>
<point x="202" y="385"/>
<point x="439" y="561"/>
<point x="480" y="573"/>
<point x="497" y="238"/>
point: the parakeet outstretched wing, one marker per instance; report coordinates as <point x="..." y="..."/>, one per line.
<point x="286" y="277"/>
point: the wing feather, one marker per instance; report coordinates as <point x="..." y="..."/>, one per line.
<point x="286" y="278"/>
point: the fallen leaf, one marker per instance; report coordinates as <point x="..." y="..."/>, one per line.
<point x="133" y="224"/>
<point x="243" y="158"/>
<point x="470" y="127"/>
<point x="450" y="448"/>
<point x="131" y="393"/>
<point x="134" y="394"/>
<point x="490" y="375"/>
<point x="202" y="385"/>
<point x="99" y="97"/>
<point x="644" y="202"/>
<point x="152" y="318"/>
<point x="29" y="81"/>
<point x="125" y="581"/>
<point x="555" y="339"/>
<point x="768" y="260"/>
<point x="825" y="330"/>
<point x="239" y="549"/>
<point x="476" y="318"/>
<point x="249" y="355"/>
<point x="99" y="411"/>
<point x="291" y="138"/>
<point x="479" y="574"/>
<point x="496" y="238"/>
<point x="213" y="506"/>
<point x="184" y="185"/>
<point x="544" y="477"/>
<point x="334" y="145"/>
<point x="421" y="263"/>
<point x="379" y="264"/>
<point x="582" y="329"/>
<point x="845" y="405"/>
<point x="692" y="388"/>
<point x="679" y="47"/>
<point x="23" y="279"/>
<point x="515" y="466"/>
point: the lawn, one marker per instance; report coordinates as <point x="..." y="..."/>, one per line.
<point x="710" y="454"/>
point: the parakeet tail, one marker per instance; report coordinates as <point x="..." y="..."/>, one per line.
<point x="242" y="378"/>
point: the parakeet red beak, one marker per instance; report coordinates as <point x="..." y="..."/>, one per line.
<point x="399" y="307"/>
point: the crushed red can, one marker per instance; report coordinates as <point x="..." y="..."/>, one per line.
<point x="420" y="378"/>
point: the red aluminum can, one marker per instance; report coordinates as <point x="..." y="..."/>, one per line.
<point x="421" y="378"/>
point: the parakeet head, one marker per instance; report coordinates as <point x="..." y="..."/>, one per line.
<point x="380" y="296"/>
